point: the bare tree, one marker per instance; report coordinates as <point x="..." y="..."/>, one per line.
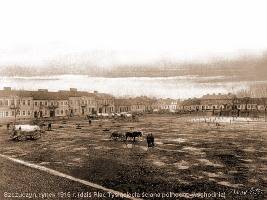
<point x="15" y="107"/>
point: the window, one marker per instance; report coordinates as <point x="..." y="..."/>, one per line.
<point x="6" y="114"/>
<point x="1" y="114"/>
<point x="46" y="103"/>
<point x="23" y="102"/>
<point x="12" y="102"/>
<point x="6" y="102"/>
<point x="29" y="112"/>
<point x="13" y="113"/>
<point x="23" y="113"/>
<point x="35" y="103"/>
<point x="1" y="102"/>
<point x="29" y="102"/>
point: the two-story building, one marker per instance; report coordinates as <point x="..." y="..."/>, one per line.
<point x="122" y="105"/>
<point x="105" y="102"/>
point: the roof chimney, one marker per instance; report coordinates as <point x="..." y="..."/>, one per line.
<point x="95" y="91"/>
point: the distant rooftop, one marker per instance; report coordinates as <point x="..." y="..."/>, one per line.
<point x="218" y="96"/>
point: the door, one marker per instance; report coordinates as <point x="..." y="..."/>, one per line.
<point x="52" y="113"/>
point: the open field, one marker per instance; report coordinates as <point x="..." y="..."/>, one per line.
<point x="190" y="156"/>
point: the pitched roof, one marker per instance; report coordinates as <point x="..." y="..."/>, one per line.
<point x="218" y="96"/>
<point x="189" y="102"/>
<point x="7" y="93"/>
<point x="103" y="96"/>
<point x="37" y="95"/>
<point x="123" y="102"/>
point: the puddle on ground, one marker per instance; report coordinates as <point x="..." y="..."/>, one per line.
<point x="181" y="165"/>
<point x="128" y="146"/>
<point x="249" y="149"/>
<point x="61" y="148"/>
<point x="72" y="164"/>
<point x="179" y="140"/>
<point x="76" y="159"/>
<point x="214" y="175"/>
<point x="103" y="147"/>
<point x="44" y="163"/>
<point x="247" y="160"/>
<point x="78" y="149"/>
<point x="159" y="163"/>
<point x="253" y="180"/>
<point x="158" y="142"/>
<point x="225" y="183"/>
<point x="105" y="139"/>
<point x="92" y="144"/>
<point x="194" y="151"/>
<point x="209" y="163"/>
<point x="143" y="148"/>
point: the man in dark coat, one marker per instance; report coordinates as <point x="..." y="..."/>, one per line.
<point x="49" y="126"/>
<point x="150" y="140"/>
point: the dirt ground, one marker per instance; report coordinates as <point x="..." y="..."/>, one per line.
<point x="189" y="156"/>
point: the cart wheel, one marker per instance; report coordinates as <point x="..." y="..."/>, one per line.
<point x="20" y="138"/>
<point x="36" y="136"/>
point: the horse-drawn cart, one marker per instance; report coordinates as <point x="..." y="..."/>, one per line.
<point x="25" y="132"/>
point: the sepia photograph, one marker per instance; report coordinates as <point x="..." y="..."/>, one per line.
<point x="133" y="99"/>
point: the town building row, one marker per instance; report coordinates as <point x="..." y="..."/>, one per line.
<point x="21" y="104"/>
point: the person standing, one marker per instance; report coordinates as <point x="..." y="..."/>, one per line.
<point x="49" y="126"/>
<point x="150" y="140"/>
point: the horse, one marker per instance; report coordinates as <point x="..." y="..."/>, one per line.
<point x="116" y="135"/>
<point x="133" y="134"/>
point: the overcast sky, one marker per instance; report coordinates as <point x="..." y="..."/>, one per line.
<point x="122" y="31"/>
